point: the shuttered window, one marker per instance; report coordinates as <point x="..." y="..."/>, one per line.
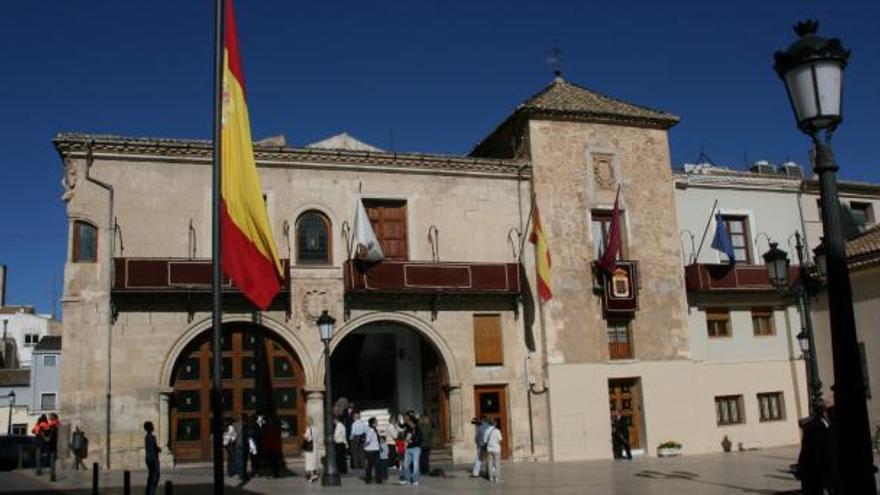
<point x="388" y="219"/>
<point x="488" y="350"/>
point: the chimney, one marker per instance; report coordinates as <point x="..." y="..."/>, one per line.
<point x="2" y="285"/>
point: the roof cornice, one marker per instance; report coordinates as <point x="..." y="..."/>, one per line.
<point x="751" y="181"/>
<point x="75" y="144"/>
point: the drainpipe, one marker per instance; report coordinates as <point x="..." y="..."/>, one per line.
<point x="111" y="236"/>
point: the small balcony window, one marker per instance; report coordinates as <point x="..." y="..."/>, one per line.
<point x="313" y="239"/>
<point x="85" y="242"/>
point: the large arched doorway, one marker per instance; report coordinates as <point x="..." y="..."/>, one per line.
<point x="261" y="376"/>
<point x="387" y="365"/>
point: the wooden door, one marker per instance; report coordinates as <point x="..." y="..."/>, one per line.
<point x="260" y="376"/>
<point x="623" y="396"/>
<point x="491" y="401"/>
<point x="435" y="402"/>
<point x="388" y="219"/>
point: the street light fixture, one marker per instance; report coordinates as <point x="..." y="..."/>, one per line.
<point x="776" y="261"/>
<point x="330" y="476"/>
<point x="812" y="70"/>
<point x="803" y="341"/>
<point x="11" y="397"/>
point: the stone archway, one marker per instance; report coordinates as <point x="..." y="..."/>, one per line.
<point x="262" y="376"/>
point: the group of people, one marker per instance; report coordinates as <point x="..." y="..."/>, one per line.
<point x="256" y="439"/>
<point x="404" y="445"/>
<point x="46" y="432"/>
<point x="488" y="440"/>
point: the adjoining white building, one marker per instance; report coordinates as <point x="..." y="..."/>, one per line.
<point x="24" y="327"/>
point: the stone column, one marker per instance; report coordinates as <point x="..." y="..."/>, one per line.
<point x="315" y="410"/>
<point x="163" y="428"/>
<point x="455" y="411"/>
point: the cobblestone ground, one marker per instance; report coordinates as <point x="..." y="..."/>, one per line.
<point x="754" y="472"/>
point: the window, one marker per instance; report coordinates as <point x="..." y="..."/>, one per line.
<point x="619" y="339"/>
<point x="388" y="219"/>
<point x="771" y="406"/>
<point x="85" y="242"/>
<point x="600" y="228"/>
<point x="762" y="322"/>
<point x="718" y="322"/>
<point x="729" y="410"/>
<point x="47" y="402"/>
<point x="738" y="228"/>
<point x="862" y="215"/>
<point x="31" y="339"/>
<point x="19" y="429"/>
<point x="48" y="360"/>
<point x="313" y="239"/>
<point x="488" y="350"/>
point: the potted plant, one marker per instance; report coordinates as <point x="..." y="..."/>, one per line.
<point x="669" y="449"/>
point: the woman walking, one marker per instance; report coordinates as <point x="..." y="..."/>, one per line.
<point x="493" y="447"/>
<point x="371" y="452"/>
<point x="340" y="439"/>
<point x="309" y="452"/>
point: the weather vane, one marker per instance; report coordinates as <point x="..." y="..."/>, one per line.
<point x="554" y="60"/>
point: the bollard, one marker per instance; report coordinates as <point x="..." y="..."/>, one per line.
<point x="126" y="482"/>
<point x="169" y="488"/>
<point x="39" y="461"/>
<point x="52" y="467"/>
<point x="94" y="478"/>
<point x="20" y="457"/>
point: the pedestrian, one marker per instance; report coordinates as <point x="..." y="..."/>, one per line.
<point x="384" y="449"/>
<point x="413" y="450"/>
<point x="151" y="456"/>
<point x="371" y="452"/>
<point x="356" y="440"/>
<point x="427" y="441"/>
<point x="339" y="439"/>
<point x="271" y="443"/>
<point x="53" y="426"/>
<point x="400" y="449"/>
<point x="255" y="450"/>
<point x="817" y="466"/>
<point x="229" y="438"/>
<point x="241" y="447"/>
<point x="493" y="449"/>
<point x="479" y="440"/>
<point x="620" y="432"/>
<point x="78" y="448"/>
<point x="390" y="436"/>
<point x="41" y="432"/>
<point x="309" y="452"/>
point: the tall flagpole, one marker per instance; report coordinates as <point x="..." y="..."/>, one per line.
<point x="216" y="279"/>
<point x="706" y="230"/>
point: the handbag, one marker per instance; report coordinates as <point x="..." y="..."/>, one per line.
<point x="308" y="445"/>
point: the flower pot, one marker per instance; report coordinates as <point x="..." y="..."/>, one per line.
<point x="668" y="452"/>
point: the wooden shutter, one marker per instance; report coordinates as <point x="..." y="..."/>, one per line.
<point x="488" y="350"/>
<point x="388" y="219"/>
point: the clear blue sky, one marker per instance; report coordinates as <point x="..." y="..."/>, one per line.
<point x="440" y="74"/>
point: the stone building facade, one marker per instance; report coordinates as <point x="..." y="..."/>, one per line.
<point x="449" y="323"/>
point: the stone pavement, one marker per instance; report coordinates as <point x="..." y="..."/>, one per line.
<point x="753" y="472"/>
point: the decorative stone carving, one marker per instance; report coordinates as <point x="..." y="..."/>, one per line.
<point x="603" y="172"/>
<point x="314" y="302"/>
<point x="69" y="180"/>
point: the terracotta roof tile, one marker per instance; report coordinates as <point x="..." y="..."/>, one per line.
<point x="864" y="249"/>
<point x="20" y="377"/>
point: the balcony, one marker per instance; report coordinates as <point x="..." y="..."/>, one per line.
<point x="431" y="278"/>
<point x="172" y="275"/>
<point x="716" y="278"/>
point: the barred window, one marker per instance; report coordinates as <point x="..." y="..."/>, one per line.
<point x="313" y="239"/>
<point x="772" y="406"/>
<point x="718" y="322"/>
<point x="762" y="322"/>
<point x="729" y="410"/>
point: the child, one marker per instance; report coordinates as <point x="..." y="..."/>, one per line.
<point x="400" y="446"/>
<point x="382" y="475"/>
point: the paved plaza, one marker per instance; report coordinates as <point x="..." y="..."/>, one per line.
<point x="756" y="472"/>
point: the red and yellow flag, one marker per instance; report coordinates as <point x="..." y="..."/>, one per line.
<point x="249" y="256"/>
<point x="542" y="257"/>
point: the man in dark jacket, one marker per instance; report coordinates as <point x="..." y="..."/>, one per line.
<point x="620" y="432"/>
<point x="151" y="456"/>
<point x="817" y="462"/>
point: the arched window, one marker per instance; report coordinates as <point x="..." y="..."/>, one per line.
<point x="85" y="242"/>
<point x="313" y="239"/>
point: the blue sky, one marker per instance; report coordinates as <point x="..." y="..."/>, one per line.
<point x="439" y="75"/>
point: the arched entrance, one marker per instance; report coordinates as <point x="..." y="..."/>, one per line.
<point x="261" y="375"/>
<point x="388" y="365"/>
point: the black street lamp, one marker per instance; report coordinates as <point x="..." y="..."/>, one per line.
<point x="330" y="476"/>
<point x="812" y="70"/>
<point x="11" y="397"/>
<point x="777" y="264"/>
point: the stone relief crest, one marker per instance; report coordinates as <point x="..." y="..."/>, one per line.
<point x="603" y="172"/>
<point x="69" y="180"/>
<point x="314" y="302"/>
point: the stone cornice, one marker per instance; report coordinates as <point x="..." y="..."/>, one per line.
<point x="737" y="181"/>
<point x="74" y="145"/>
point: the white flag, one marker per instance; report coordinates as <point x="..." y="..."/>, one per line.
<point x="366" y="246"/>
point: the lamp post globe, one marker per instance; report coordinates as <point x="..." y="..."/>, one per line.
<point x="330" y="476"/>
<point x="812" y="70"/>
<point x="776" y="261"/>
<point x="803" y="342"/>
<point x="821" y="261"/>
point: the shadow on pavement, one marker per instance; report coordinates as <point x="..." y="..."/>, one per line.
<point x="195" y="489"/>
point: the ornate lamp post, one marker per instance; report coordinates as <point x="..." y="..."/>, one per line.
<point x="330" y="476"/>
<point x="777" y="264"/>
<point x="812" y="70"/>
<point x="11" y="397"/>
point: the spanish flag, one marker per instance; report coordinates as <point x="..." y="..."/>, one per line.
<point x="542" y="257"/>
<point x="249" y="256"/>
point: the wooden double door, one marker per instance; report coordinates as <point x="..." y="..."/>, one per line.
<point x="260" y="376"/>
<point x="491" y="401"/>
<point x="624" y="398"/>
